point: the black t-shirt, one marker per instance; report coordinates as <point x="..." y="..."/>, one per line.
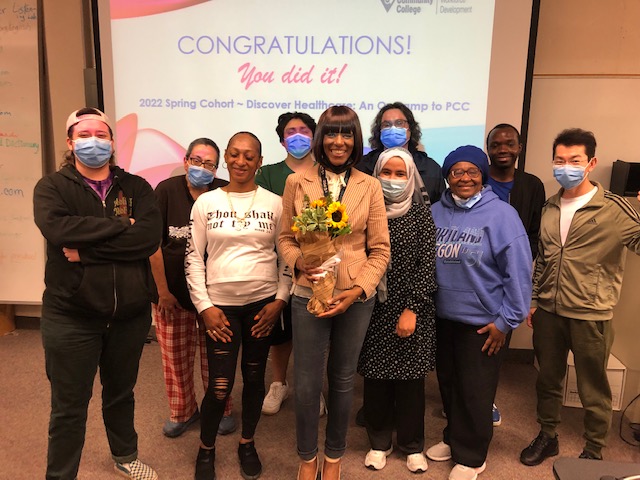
<point x="175" y="204"/>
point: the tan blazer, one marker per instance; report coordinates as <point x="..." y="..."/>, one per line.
<point x="365" y="251"/>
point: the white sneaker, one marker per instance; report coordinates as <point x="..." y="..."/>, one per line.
<point x="323" y="406"/>
<point x="440" y="452"/>
<point x="417" y="463"/>
<point x="377" y="459"/>
<point x="278" y="393"/>
<point x="460" y="472"/>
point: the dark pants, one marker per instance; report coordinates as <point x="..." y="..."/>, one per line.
<point x="398" y="404"/>
<point x="468" y="380"/>
<point x="74" y="349"/>
<point x="340" y="338"/>
<point x="282" y="330"/>
<point x="590" y="342"/>
<point x="223" y="358"/>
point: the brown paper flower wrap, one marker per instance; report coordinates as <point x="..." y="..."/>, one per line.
<point x="318" y="228"/>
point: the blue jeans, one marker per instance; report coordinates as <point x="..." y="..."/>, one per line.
<point x="340" y="337"/>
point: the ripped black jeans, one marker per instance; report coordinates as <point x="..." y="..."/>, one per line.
<point x="223" y="358"/>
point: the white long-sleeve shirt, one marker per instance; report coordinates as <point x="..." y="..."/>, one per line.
<point x="241" y="264"/>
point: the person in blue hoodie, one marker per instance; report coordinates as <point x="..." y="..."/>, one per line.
<point x="483" y="272"/>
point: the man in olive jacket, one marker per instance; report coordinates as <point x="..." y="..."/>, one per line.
<point x="584" y="236"/>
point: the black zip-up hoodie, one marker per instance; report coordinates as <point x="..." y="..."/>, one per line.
<point x="113" y="277"/>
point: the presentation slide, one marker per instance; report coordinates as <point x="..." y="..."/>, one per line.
<point x="187" y="69"/>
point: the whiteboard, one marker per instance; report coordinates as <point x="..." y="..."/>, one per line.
<point x="22" y="249"/>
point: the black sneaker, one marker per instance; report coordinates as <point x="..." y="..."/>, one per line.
<point x="250" y="466"/>
<point x="206" y="464"/>
<point x="590" y="455"/>
<point x="540" y="449"/>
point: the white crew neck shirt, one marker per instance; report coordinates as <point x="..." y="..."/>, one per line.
<point x="569" y="207"/>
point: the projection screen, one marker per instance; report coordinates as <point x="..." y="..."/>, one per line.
<point x="173" y="71"/>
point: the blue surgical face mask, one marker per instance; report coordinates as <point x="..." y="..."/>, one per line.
<point x="393" y="137"/>
<point x="466" y="203"/>
<point x="92" y="152"/>
<point x="392" y="189"/>
<point x="569" y="176"/>
<point x="199" y="176"/>
<point x="298" y="145"/>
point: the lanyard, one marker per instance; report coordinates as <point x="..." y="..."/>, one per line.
<point x="325" y="183"/>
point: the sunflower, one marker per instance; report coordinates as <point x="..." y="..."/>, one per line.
<point x="294" y="228"/>
<point x="337" y="215"/>
<point x="318" y="203"/>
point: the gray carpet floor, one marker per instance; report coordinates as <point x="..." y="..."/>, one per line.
<point x="24" y="410"/>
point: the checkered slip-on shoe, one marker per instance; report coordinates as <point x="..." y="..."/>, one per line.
<point x="136" y="470"/>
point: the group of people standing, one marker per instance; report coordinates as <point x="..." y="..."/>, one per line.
<point x="430" y="277"/>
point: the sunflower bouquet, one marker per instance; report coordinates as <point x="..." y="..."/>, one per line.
<point x="318" y="228"/>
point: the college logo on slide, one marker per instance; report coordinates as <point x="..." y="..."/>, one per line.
<point x="388" y="4"/>
<point x="410" y="6"/>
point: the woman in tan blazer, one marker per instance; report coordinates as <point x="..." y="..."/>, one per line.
<point x="340" y="330"/>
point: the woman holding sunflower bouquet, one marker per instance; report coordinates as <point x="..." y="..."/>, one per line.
<point x="353" y="200"/>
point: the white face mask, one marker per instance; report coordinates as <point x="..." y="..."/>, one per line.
<point x="392" y="189"/>
<point x="466" y="203"/>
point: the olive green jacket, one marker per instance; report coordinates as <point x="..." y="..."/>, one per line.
<point x="582" y="279"/>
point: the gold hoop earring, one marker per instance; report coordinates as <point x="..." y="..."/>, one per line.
<point x="224" y="164"/>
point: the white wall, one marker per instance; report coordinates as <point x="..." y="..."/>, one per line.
<point x="587" y="75"/>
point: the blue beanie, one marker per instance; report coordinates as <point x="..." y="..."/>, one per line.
<point x="467" y="153"/>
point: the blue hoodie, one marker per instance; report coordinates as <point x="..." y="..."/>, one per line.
<point x="483" y="262"/>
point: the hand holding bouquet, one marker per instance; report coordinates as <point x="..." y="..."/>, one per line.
<point x="317" y="230"/>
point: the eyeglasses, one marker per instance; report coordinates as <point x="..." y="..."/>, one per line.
<point x="472" y="172"/>
<point x="197" y="161"/>
<point x="396" y="123"/>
